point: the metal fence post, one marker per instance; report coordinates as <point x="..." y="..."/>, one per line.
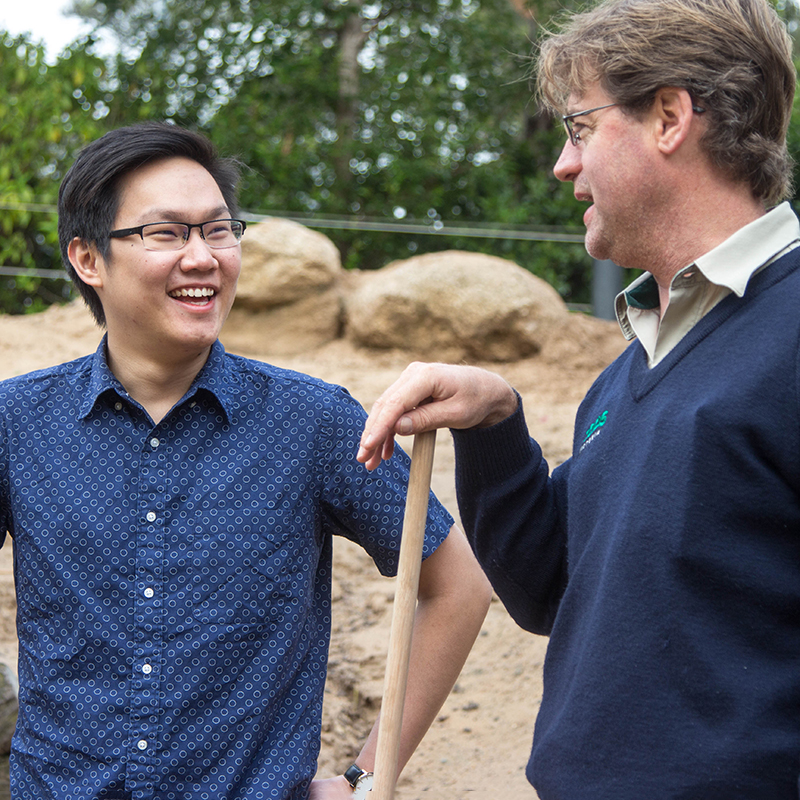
<point x="606" y="285"/>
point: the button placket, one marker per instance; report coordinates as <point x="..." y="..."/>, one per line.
<point x="148" y="620"/>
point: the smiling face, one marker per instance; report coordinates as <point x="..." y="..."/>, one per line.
<point x="166" y="305"/>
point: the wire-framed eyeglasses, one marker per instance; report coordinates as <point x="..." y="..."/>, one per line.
<point x="217" y="233"/>
<point x="575" y="137"/>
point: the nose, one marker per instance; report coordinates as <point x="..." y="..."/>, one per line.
<point x="569" y="165"/>
<point x="196" y="254"/>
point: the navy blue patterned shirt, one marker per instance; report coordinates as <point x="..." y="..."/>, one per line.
<point x="173" y="580"/>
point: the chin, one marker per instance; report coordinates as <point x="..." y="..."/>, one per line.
<point x="601" y="247"/>
<point x="599" y="250"/>
<point x="197" y="340"/>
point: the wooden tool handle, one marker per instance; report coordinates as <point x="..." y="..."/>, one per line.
<point x="405" y="602"/>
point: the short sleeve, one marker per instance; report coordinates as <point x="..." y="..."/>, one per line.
<point x="369" y="507"/>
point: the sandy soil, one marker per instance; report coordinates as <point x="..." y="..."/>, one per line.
<point x="479" y="744"/>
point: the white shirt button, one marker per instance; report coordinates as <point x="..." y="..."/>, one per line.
<point x="151" y="516"/>
<point x="118" y="406"/>
<point x="142" y="744"/>
<point x="148" y="592"/>
<point x="147" y="669"/>
<point x="154" y="443"/>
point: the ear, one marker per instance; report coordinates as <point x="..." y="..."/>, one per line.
<point x="87" y="262"/>
<point x="673" y="113"/>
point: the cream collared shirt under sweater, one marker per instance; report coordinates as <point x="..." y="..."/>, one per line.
<point x="698" y="287"/>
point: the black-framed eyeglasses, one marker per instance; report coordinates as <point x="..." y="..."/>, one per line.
<point x="575" y="137"/>
<point x="217" y="233"/>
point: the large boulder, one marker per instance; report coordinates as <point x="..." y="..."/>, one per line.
<point x="289" y="297"/>
<point x="455" y="305"/>
<point x="282" y="262"/>
<point x="285" y="330"/>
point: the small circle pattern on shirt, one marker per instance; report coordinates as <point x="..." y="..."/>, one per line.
<point x="174" y="581"/>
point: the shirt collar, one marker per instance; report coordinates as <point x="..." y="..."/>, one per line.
<point x="216" y="377"/>
<point x="642" y="293"/>
<point x="219" y="379"/>
<point x="739" y="257"/>
<point x="731" y="264"/>
<point x="101" y="380"/>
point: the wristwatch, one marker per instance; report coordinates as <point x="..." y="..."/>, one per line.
<point x="360" y="780"/>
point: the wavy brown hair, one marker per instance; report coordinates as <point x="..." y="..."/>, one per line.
<point x="734" y="57"/>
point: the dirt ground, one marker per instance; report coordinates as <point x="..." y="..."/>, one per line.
<point x="478" y="746"/>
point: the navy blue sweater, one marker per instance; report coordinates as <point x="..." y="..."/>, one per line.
<point x="663" y="559"/>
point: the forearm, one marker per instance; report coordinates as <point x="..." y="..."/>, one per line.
<point x="449" y="615"/>
<point x="444" y="631"/>
<point x="431" y="678"/>
<point x="452" y="602"/>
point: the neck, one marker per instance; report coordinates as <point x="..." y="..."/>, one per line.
<point x="694" y="230"/>
<point x="155" y="382"/>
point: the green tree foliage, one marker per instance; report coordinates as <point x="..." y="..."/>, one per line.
<point x="401" y="109"/>
<point x="44" y="118"/>
<point x="417" y="111"/>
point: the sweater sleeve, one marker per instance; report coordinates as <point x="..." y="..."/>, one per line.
<point x="514" y="514"/>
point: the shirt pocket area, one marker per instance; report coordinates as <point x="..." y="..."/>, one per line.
<point x="52" y="622"/>
<point x="252" y="570"/>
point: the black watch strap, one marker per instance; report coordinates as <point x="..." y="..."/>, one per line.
<point x="353" y="773"/>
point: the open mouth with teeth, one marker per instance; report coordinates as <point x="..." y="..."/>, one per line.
<point x="197" y="296"/>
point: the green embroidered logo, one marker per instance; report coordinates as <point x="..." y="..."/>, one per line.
<point x="595" y="426"/>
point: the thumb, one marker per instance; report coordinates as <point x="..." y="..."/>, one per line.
<point x="426" y="416"/>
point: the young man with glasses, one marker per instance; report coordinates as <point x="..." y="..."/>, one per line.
<point x="172" y="508"/>
<point x="663" y="558"/>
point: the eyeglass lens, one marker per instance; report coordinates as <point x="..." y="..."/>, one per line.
<point x="570" y="132"/>
<point x="568" y="120"/>
<point x="217" y="234"/>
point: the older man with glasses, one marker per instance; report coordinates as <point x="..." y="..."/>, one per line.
<point x="663" y="558"/>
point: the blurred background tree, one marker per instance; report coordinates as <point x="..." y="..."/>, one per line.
<point x="396" y="109"/>
<point x="44" y="119"/>
<point x="343" y="111"/>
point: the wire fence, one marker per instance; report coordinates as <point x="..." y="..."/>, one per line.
<point x="475" y="230"/>
<point x="23" y="272"/>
